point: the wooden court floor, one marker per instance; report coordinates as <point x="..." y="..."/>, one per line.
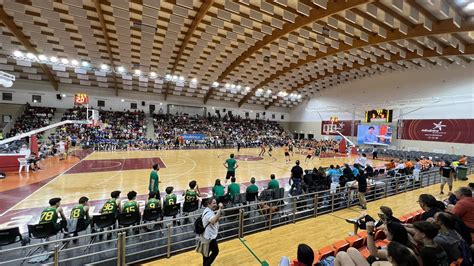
<point x="317" y="232"/>
<point x="100" y="173"/>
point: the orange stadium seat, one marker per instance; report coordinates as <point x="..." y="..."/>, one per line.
<point x="381" y="243"/>
<point x="325" y="252"/>
<point x="341" y="245"/>
<point x="355" y="241"/>
<point x="364" y="251"/>
<point x="363" y="235"/>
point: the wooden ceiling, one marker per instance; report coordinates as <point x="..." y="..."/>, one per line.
<point x="272" y="53"/>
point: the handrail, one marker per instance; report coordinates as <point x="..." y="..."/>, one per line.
<point x="244" y="219"/>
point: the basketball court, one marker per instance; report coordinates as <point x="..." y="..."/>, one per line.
<point x="100" y="173"/>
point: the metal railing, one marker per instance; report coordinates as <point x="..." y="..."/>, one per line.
<point x="163" y="238"/>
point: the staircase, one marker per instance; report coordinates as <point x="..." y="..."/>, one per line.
<point x="150" y="128"/>
<point x="56" y="118"/>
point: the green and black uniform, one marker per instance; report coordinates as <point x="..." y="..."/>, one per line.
<point x="154" y="177"/>
<point x="152" y="204"/>
<point x="231" y="163"/>
<point x="50" y="215"/>
<point x="110" y="206"/>
<point x="273" y="184"/>
<point x="233" y="189"/>
<point x="218" y="191"/>
<point x="170" y="199"/>
<point x="190" y="195"/>
<point x="78" y="212"/>
<point x="130" y="206"/>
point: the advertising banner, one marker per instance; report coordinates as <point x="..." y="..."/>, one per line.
<point x="193" y="136"/>
<point x="442" y="130"/>
<point x="343" y="126"/>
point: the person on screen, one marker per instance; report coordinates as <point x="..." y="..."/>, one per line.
<point x="370" y="135"/>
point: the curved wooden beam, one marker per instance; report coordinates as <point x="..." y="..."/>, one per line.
<point x="442" y="27"/>
<point x="13" y="28"/>
<point x="427" y="53"/>
<point x="205" y="6"/>
<point x="100" y="14"/>
<point x="316" y="14"/>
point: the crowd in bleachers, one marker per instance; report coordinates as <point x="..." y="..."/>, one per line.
<point x="219" y="131"/>
<point x="441" y="233"/>
<point x="32" y="118"/>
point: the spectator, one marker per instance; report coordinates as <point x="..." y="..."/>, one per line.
<point x="305" y="255"/>
<point x="385" y="216"/>
<point x="428" y="204"/>
<point x="463" y="160"/>
<point x="464" y="208"/>
<point x="218" y="190"/>
<point x="233" y="189"/>
<point x="448" y="238"/>
<point x="252" y="189"/>
<point x="362" y="189"/>
<point x="362" y="160"/>
<point x="430" y="252"/>
<point x="447" y="173"/>
<point x="210" y="221"/>
<point x="273" y="184"/>
<point x="296" y="178"/>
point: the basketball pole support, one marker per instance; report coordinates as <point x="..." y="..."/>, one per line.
<point x="39" y="130"/>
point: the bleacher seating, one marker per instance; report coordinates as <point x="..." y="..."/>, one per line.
<point x="32" y="118"/>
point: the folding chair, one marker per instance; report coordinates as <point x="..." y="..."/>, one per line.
<point x="129" y="219"/>
<point x="189" y="207"/>
<point x="171" y="211"/>
<point x="41" y="232"/>
<point x="102" y="222"/>
<point x="9" y="236"/>
<point x="150" y="215"/>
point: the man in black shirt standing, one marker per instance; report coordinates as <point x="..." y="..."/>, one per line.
<point x="362" y="189"/>
<point x="447" y="173"/>
<point x="431" y="253"/>
<point x="296" y="177"/>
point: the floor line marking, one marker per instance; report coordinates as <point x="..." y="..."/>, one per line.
<point x="36" y="191"/>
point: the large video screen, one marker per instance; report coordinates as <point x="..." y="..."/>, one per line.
<point x="374" y="134"/>
<point x="380" y="115"/>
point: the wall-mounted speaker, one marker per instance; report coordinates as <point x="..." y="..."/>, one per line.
<point x="58" y="96"/>
<point x="143" y="103"/>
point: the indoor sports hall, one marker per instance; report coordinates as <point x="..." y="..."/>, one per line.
<point x="218" y="132"/>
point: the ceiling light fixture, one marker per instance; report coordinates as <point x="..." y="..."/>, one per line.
<point x="85" y="64"/>
<point x="53" y="59"/>
<point x="30" y="55"/>
<point x="227" y="85"/>
<point x="74" y="62"/>
<point x="469" y="7"/>
<point x="181" y="78"/>
<point x="138" y="72"/>
<point x="18" y="53"/>
<point x="64" y="61"/>
<point x="42" y="57"/>
<point x="120" y="69"/>
<point x="104" y="67"/>
<point x="194" y="80"/>
<point x="152" y="74"/>
<point x="215" y="84"/>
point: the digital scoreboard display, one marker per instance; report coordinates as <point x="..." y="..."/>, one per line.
<point x="379" y="115"/>
<point x="81" y="99"/>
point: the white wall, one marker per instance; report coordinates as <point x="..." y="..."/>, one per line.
<point x="23" y="91"/>
<point x="402" y="91"/>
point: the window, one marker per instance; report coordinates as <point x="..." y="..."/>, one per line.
<point x="36" y="98"/>
<point x="282" y="117"/>
<point x="257" y="115"/>
<point x="7" y="96"/>
<point x="133" y="105"/>
<point x="6" y="118"/>
<point x="100" y="103"/>
<point x="273" y="116"/>
<point x="247" y="114"/>
<point x="310" y="136"/>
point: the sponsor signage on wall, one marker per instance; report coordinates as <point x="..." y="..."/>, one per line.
<point x="442" y="130"/>
<point x="343" y="126"/>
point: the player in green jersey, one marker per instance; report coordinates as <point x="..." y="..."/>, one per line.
<point x="131" y="205"/>
<point x="112" y="205"/>
<point x="231" y="165"/>
<point x="50" y="214"/>
<point x="81" y="211"/>
<point x="153" y="202"/>
<point x="192" y="193"/>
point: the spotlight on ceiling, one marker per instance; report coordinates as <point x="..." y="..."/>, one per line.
<point x="18" y="53"/>
<point x="104" y="67"/>
<point x="74" y="62"/>
<point x="153" y="74"/>
<point x="85" y="64"/>
<point x="215" y="84"/>
<point x="53" y="59"/>
<point x="42" y="57"/>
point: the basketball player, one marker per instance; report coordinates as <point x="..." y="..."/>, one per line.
<point x="270" y="149"/>
<point x="262" y="149"/>
<point x="62" y="149"/>
<point x="238" y="146"/>
<point x="290" y="148"/>
<point x="131" y="205"/>
<point x="154" y="181"/>
<point x="309" y="154"/>
<point x="192" y="193"/>
<point x="50" y="214"/>
<point x="287" y="153"/>
<point x="231" y="165"/>
<point x="112" y="205"/>
<point x="152" y="202"/>
<point x="81" y="211"/>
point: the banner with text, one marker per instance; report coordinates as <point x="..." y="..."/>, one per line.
<point x="193" y="136"/>
<point x="443" y="130"/>
<point x="343" y="126"/>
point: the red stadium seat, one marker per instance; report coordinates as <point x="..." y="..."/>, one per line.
<point x="340" y="245"/>
<point x="326" y="251"/>
<point x="355" y="241"/>
<point x="407" y="219"/>
<point x="364" y="251"/>
<point x="381" y="243"/>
